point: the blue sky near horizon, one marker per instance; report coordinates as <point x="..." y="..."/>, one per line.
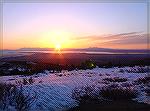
<point x="67" y="24"/>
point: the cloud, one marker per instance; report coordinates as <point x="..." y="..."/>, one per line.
<point x="130" y="39"/>
<point x="122" y="38"/>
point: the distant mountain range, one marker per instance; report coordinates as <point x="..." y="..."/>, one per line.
<point x="92" y="49"/>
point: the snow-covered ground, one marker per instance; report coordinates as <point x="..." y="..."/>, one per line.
<point x="54" y="89"/>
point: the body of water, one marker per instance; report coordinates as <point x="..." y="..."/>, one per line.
<point x="4" y="53"/>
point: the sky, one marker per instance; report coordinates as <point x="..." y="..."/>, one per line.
<point x="75" y="25"/>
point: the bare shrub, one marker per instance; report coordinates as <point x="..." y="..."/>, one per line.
<point x="136" y="69"/>
<point x="147" y="91"/>
<point x="23" y="101"/>
<point x="118" y="93"/>
<point x="6" y="92"/>
<point x="126" y="84"/>
<point x="89" y="96"/>
<point x="113" y="92"/>
<point x="85" y="95"/>
<point x="14" y="97"/>
<point x="31" y="80"/>
<point x="115" y="79"/>
<point x="144" y="80"/>
<point x="25" y="81"/>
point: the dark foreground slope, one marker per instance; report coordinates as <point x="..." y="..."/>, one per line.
<point x="113" y="106"/>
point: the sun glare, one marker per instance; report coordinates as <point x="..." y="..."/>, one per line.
<point x="56" y="39"/>
<point x="57" y="47"/>
<point x="59" y="39"/>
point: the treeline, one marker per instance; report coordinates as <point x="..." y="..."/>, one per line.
<point x="29" y="68"/>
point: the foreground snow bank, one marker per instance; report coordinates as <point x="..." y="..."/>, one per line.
<point x="54" y="90"/>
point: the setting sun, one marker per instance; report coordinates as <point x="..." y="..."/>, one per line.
<point x="58" y="47"/>
<point x="56" y="39"/>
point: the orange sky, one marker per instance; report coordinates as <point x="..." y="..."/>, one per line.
<point x="75" y="25"/>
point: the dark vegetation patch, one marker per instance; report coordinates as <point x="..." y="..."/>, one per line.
<point x="112" y="92"/>
<point x="147" y="90"/>
<point x="136" y="70"/>
<point x="30" y="68"/>
<point x="126" y="84"/>
<point x="25" y="81"/>
<point x="113" y="106"/>
<point x="118" y="93"/>
<point x="115" y="79"/>
<point x="144" y="80"/>
<point x="84" y="94"/>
